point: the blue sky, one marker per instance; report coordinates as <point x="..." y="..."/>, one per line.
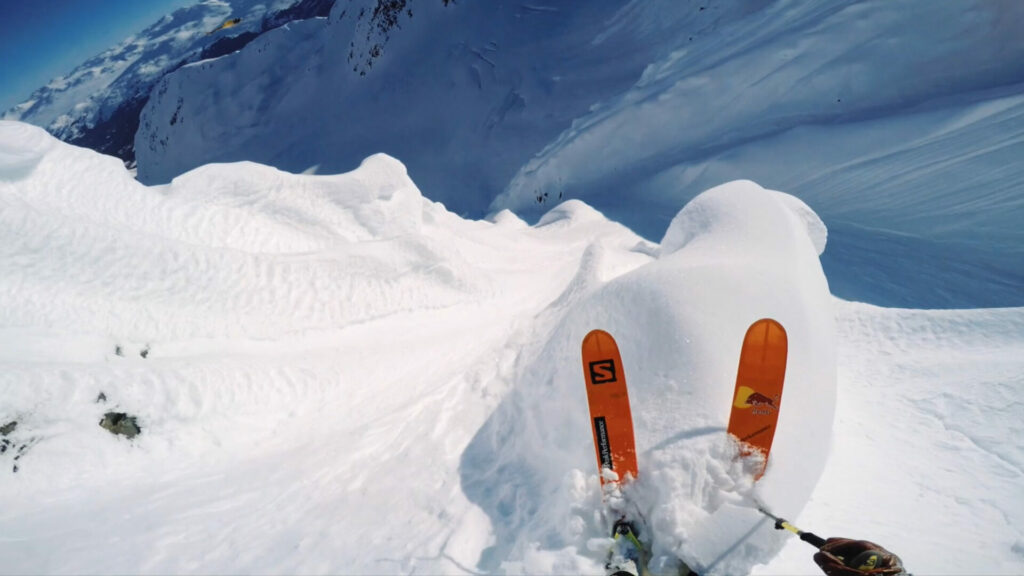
<point x="41" y="39"/>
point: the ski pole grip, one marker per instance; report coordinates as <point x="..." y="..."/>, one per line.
<point x="812" y="539"/>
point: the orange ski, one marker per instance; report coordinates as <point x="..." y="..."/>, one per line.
<point x="610" y="417"/>
<point x="758" y="397"/>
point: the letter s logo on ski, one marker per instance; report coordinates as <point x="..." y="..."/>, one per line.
<point x="603" y="372"/>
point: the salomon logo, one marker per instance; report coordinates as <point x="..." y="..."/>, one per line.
<point x="603" y="372"/>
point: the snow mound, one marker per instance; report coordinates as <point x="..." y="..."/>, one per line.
<point x="570" y="212"/>
<point x="506" y="218"/>
<point x="259" y="208"/>
<point x="21" y="148"/>
<point x="238" y="249"/>
<point x="735" y="254"/>
<point x="741" y="209"/>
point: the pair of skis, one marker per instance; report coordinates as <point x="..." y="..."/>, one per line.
<point x="755" y="413"/>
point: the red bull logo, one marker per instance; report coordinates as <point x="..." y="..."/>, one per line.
<point x="761" y="404"/>
<point x="758" y="399"/>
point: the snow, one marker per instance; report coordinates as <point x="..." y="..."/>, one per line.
<point x="469" y="91"/>
<point x="925" y="456"/>
<point x="334" y="374"/>
<point x="679" y="322"/>
<point x="899" y="123"/>
<point x="69" y="106"/>
<point x="878" y="116"/>
<point x="21" y="150"/>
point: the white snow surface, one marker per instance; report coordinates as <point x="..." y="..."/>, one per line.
<point x="335" y="375"/>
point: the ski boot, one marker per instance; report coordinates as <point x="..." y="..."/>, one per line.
<point x="626" y="557"/>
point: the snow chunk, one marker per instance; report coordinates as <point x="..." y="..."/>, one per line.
<point x="743" y="210"/>
<point x="570" y="212"/>
<point x="507" y="218"/>
<point x="816" y="229"/>
<point x="22" y="146"/>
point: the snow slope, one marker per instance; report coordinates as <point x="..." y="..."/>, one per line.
<point x="900" y="123"/>
<point x="470" y="91"/>
<point x="340" y="376"/>
<point x="925" y="458"/>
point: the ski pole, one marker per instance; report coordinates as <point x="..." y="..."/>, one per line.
<point x="780" y="524"/>
<point x="863" y="562"/>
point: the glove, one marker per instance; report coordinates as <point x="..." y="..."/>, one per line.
<point x="846" y="557"/>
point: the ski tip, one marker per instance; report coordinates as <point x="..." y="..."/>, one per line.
<point x="597" y="336"/>
<point x="766" y="330"/>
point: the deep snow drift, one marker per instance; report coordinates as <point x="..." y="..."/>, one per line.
<point x="733" y="255"/>
<point x="335" y="375"/>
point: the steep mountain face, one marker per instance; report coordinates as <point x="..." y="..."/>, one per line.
<point x="98" y="104"/>
<point x="469" y="92"/>
<point x="897" y="123"/>
<point x="901" y="125"/>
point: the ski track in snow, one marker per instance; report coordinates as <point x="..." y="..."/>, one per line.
<point x="323" y="355"/>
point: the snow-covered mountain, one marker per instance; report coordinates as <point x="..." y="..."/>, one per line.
<point x="333" y="374"/>
<point x="900" y="123"/>
<point x="97" y="104"/>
